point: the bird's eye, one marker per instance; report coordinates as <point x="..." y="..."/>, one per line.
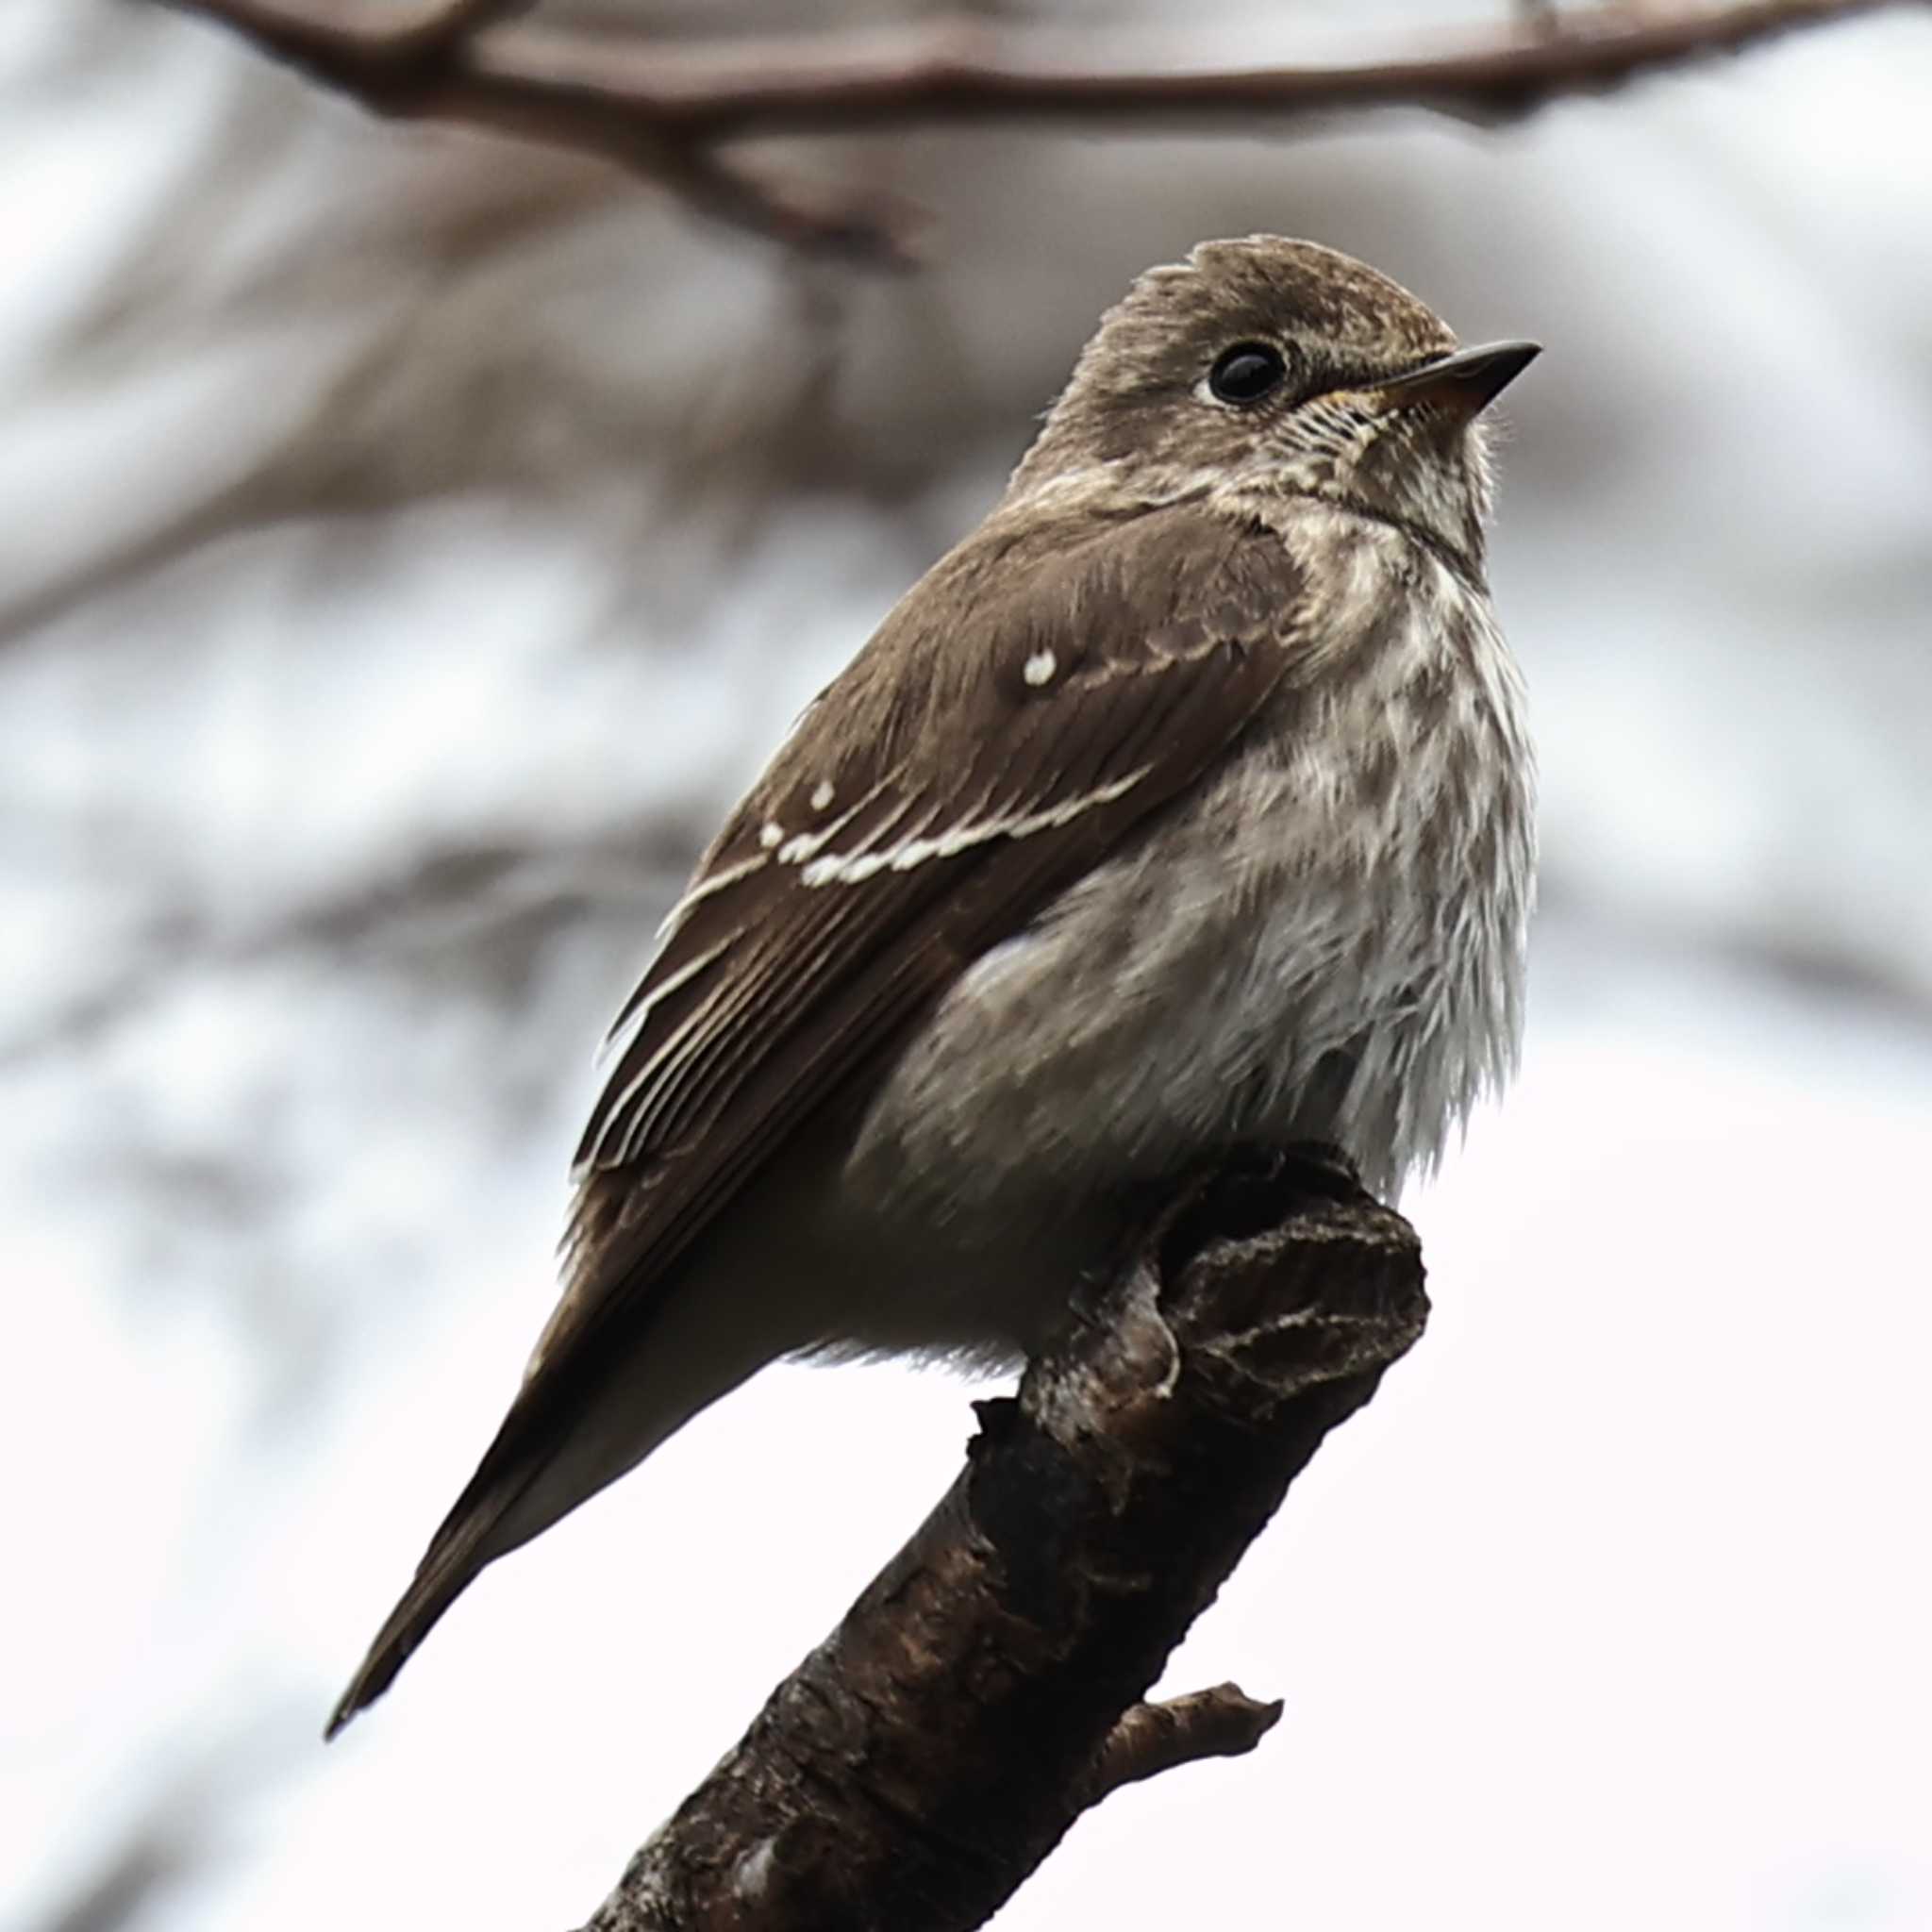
<point x="1246" y="373"/>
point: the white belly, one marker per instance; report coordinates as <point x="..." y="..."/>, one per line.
<point x="1326" y="943"/>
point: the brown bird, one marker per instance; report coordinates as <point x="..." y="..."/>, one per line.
<point x="1187" y="804"/>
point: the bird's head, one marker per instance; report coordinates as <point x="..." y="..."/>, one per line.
<point x="1266" y="364"/>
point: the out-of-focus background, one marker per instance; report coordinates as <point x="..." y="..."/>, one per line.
<point x="409" y="542"/>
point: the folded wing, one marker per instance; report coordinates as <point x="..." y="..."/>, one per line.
<point x="1030" y="703"/>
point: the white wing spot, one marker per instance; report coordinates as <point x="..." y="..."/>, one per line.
<point x="823" y="795"/>
<point x="771" y="833"/>
<point x="1039" y="668"/>
<point x="854" y="868"/>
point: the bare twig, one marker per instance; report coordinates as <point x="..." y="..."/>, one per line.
<point x="967" y="72"/>
<point x="1224" y="1721"/>
<point x="986" y="1689"/>
<point x="440" y="65"/>
<point x="662" y="110"/>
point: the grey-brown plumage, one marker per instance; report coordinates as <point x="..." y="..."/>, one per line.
<point x="1186" y="802"/>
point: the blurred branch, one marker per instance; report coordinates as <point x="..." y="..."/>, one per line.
<point x="986" y="1688"/>
<point x="662" y="110"/>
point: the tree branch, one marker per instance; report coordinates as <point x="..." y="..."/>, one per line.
<point x="968" y="71"/>
<point x="986" y="1690"/>
<point x="662" y="110"/>
<point x="1151" y="1738"/>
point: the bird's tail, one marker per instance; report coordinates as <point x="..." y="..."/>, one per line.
<point x="471" y="1536"/>
<point x="580" y="1421"/>
<point x="558" y="1445"/>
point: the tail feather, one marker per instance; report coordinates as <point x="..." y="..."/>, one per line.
<point x="511" y="1497"/>
<point x="456" y="1556"/>
<point x="566" y="1436"/>
<point x="590" y="1408"/>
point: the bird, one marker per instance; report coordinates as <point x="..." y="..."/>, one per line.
<point x="1187" y="804"/>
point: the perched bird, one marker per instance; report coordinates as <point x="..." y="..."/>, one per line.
<point x="1187" y="804"/>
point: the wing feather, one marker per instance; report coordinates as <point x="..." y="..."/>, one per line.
<point x="1112" y="668"/>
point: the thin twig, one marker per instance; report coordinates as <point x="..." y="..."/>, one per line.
<point x="662" y="110"/>
<point x="1224" y="1721"/>
<point x="955" y="72"/>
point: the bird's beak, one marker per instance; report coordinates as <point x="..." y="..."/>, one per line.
<point x="1465" y="383"/>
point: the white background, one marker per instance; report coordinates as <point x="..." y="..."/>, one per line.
<point x="408" y="546"/>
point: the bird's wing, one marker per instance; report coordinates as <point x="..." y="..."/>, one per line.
<point x="869" y="866"/>
<point x="925" y="808"/>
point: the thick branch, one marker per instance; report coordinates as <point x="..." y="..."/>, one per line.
<point x="988" y="1687"/>
<point x="661" y="110"/>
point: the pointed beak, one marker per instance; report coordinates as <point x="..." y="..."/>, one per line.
<point x="1467" y="382"/>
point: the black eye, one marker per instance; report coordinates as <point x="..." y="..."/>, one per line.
<point x="1246" y="373"/>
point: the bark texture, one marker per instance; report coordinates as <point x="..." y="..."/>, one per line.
<point x="989" y="1686"/>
